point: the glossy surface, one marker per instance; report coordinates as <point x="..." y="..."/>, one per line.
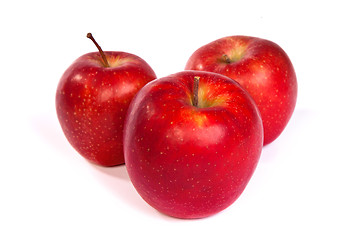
<point x="187" y="161"/>
<point x="262" y="68"/>
<point x="92" y="100"/>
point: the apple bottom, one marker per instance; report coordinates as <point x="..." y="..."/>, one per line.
<point x="201" y="196"/>
<point x="108" y="155"/>
<point x="192" y="173"/>
<point x="98" y="141"/>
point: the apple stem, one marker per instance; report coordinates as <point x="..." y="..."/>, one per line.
<point x="226" y="58"/>
<point x="106" y="63"/>
<point x="196" y="91"/>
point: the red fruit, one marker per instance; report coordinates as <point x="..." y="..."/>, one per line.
<point x="191" y="148"/>
<point x="262" y="68"/>
<point x="92" y="98"/>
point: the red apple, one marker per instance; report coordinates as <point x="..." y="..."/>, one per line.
<point x="92" y="98"/>
<point x="262" y="68"/>
<point x="192" y="141"/>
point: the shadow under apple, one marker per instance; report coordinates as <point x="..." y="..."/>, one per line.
<point x="116" y="180"/>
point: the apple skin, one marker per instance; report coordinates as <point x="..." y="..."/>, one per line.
<point x="92" y="100"/>
<point x="187" y="161"/>
<point x="262" y="68"/>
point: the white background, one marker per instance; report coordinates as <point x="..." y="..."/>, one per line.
<point x="307" y="183"/>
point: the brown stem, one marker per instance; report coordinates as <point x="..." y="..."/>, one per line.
<point x="226" y="59"/>
<point x="196" y="91"/>
<point x="106" y="63"/>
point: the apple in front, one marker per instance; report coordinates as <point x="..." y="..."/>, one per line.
<point x="92" y="98"/>
<point x="262" y="68"/>
<point x="192" y="141"/>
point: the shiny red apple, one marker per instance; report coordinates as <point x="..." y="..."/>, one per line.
<point x="92" y="98"/>
<point x="262" y="68"/>
<point x="192" y="141"/>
